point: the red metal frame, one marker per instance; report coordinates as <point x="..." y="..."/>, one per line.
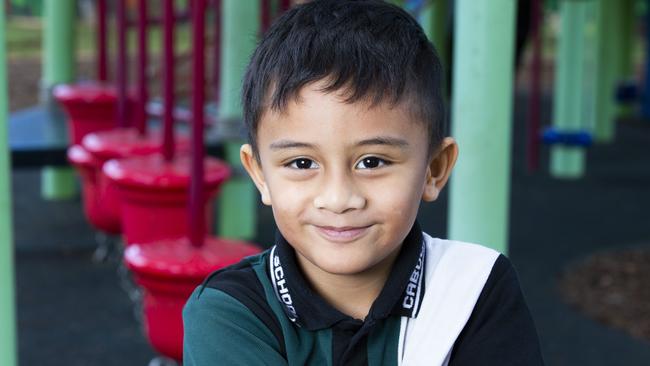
<point x="285" y="5"/>
<point x="265" y="15"/>
<point x="143" y="60"/>
<point x="196" y="217"/>
<point x="168" y="80"/>
<point x="217" y="51"/>
<point x="102" y="45"/>
<point x="122" y="71"/>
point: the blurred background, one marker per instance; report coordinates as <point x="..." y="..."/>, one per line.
<point x="108" y="215"/>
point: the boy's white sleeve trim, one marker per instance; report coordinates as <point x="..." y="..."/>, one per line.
<point x="455" y="275"/>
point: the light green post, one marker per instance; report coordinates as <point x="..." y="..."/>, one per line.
<point x="434" y="22"/>
<point x="8" y="348"/>
<point x="238" y="198"/>
<point x="611" y="65"/>
<point x="58" y="67"/>
<point x="590" y="67"/>
<point x="482" y="119"/>
<point x="568" y="96"/>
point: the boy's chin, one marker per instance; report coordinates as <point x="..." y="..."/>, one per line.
<point x="341" y="265"/>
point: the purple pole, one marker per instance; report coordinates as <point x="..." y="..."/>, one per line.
<point x="285" y="5"/>
<point x="102" y="66"/>
<point x="143" y="95"/>
<point x="217" y="51"/>
<point x="122" y="77"/>
<point x="265" y="16"/>
<point x="197" y="214"/>
<point x="532" y="145"/>
<point x="168" y="80"/>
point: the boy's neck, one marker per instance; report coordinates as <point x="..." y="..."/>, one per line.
<point x="352" y="295"/>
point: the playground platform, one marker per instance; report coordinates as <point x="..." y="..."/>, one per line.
<point x="72" y="311"/>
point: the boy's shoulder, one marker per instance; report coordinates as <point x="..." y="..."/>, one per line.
<point x="228" y="315"/>
<point x="470" y="288"/>
<point x="236" y="278"/>
<point x="245" y="283"/>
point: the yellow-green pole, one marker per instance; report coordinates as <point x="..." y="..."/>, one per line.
<point x="58" y="67"/>
<point x="482" y="120"/>
<point x="238" y="199"/>
<point x="8" y="356"/>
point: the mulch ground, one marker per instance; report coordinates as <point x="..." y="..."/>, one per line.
<point x="612" y="288"/>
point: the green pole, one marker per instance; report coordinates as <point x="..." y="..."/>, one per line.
<point x="7" y="299"/>
<point x="434" y="22"/>
<point x="590" y="71"/>
<point x="58" y="67"/>
<point x="238" y="198"/>
<point x="609" y="67"/>
<point x="482" y="119"/>
<point x="568" y="97"/>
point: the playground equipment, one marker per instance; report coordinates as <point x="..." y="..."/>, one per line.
<point x="85" y="164"/>
<point x="120" y="143"/>
<point x="482" y="112"/>
<point x="152" y="194"/>
<point x="535" y="99"/>
<point x="153" y="187"/>
<point x="8" y="349"/>
<point x="90" y="107"/>
<point x="168" y="269"/>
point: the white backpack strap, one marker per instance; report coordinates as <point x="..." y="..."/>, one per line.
<point x="455" y="275"/>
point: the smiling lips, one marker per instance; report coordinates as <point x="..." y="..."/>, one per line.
<point x="342" y="234"/>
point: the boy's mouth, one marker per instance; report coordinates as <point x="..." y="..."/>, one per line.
<point x="342" y="234"/>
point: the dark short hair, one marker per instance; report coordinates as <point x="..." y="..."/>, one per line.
<point x="370" y="49"/>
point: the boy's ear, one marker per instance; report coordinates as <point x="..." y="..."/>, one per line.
<point x="439" y="169"/>
<point x="254" y="169"/>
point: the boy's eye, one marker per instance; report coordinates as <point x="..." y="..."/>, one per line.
<point x="370" y="162"/>
<point x="303" y="163"/>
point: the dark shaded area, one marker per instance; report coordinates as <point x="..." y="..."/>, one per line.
<point x="72" y="311"/>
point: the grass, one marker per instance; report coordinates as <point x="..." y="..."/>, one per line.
<point x="24" y="37"/>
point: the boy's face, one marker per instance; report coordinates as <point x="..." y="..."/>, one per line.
<point x="345" y="180"/>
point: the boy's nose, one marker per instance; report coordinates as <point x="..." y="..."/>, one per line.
<point x="338" y="195"/>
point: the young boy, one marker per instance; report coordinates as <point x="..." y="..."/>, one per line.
<point x="344" y="110"/>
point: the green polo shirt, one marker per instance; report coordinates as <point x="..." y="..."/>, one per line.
<point x="262" y="311"/>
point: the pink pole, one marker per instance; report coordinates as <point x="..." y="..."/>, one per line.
<point x="122" y="77"/>
<point x="143" y="95"/>
<point x="265" y="15"/>
<point x="102" y="66"/>
<point x="285" y="5"/>
<point x="197" y="214"/>
<point x="217" y="51"/>
<point x="532" y="137"/>
<point x="168" y="80"/>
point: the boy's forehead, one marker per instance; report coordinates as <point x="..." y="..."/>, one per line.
<point x="314" y="98"/>
<point x="326" y="116"/>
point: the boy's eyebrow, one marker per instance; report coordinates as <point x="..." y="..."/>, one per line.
<point x="288" y="144"/>
<point x="379" y="140"/>
<point x="384" y="140"/>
